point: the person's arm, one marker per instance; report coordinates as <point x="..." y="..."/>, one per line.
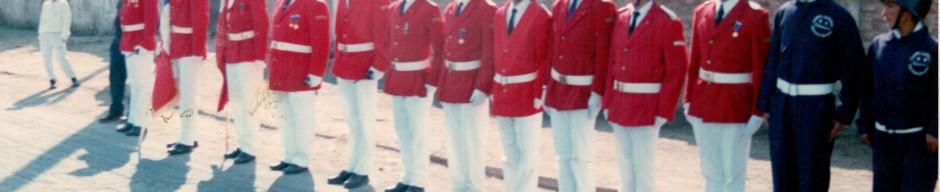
<point x="866" y="115"/>
<point x="436" y="30"/>
<point x="484" y="78"/>
<point x="261" y="24"/>
<point x="66" y="19"/>
<point x="320" y="39"/>
<point x="693" y="65"/>
<point x="604" y="26"/>
<point x="760" y="43"/>
<point x="674" y="61"/>
<point x="849" y="59"/>
<point x="769" y="78"/>
<point x="199" y="10"/>
<point x="380" y="30"/>
<point x="151" y="17"/>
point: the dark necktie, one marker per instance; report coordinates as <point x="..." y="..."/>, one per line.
<point x="512" y="22"/>
<point x="633" y="22"/>
<point x="401" y="10"/>
<point x="459" y="8"/>
<point x="166" y="2"/>
<point x="571" y="8"/>
<point x="721" y="13"/>
<point x="286" y="4"/>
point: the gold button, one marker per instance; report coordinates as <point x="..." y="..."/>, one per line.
<point x="344" y="35"/>
<point x="448" y="53"/>
<point x="623" y="68"/>
<point x="394" y="43"/>
<point x="450" y="36"/>
<point x="711" y="41"/>
<point x="504" y="90"/>
<point x="624" y="50"/>
<point x="504" y="71"/>
<point x="562" y="37"/>
<point x="345" y="19"/>
<point x="396" y="26"/>
<point x="505" y="50"/>
<point x="708" y="62"/>
<point x="561" y="57"/>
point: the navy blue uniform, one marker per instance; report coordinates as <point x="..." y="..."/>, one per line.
<point x="899" y="108"/>
<point x="814" y="45"/>
<point x="118" y="70"/>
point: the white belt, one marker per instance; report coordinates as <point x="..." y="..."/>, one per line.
<point x="505" y="80"/>
<point x="882" y="128"/>
<point x="183" y="30"/>
<point x="241" y="36"/>
<point x="284" y="46"/>
<point x="805" y="89"/>
<point x="646" y="88"/>
<point x="462" y="66"/>
<point x="724" y="78"/>
<point x="134" y="27"/>
<point x="576" y="80"/>
<point x="410" y="66"/>
<point x="352" y="48"/>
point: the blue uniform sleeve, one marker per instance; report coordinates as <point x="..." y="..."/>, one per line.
<point x="849" y="62"/>
<point x="932" y="125"/>
<point x="769" y="78"/>
<point x="866" y="117"/>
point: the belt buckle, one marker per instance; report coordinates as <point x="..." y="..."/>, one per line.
<point x="793" y="89"/>
<point x="342" y="48"/>
<point x="709" y="77"/>
<point x="450" y="66"/>
<point x="617" y="86"/>
<point x="243" y="35"/>
<point x="503" y="80"/>
<point x="563" y="79"/>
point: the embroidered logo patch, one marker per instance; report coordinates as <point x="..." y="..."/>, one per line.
<point x="919" y="63"/>
<point x="822" y="26"/>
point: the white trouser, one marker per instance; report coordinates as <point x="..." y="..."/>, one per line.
<point x="186" y="73"/>
<point x="724" y="153"/>
<point x="244" y="80"/>
<point x="360" y="104"/>
<point x="295" y="112"/>
<point x="636" y="147"/>
<point x="573" y="132"/>
<point x="412" y="115"/>
<point x="49" y="43"/>
<point x="140" y="74"/>
<point x="520" y="137"/>
<point x="466" y="124"/>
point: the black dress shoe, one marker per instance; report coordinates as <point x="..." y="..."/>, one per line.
<point x="195" y="144"/>
<point x="110" y="118"/>
<point x="244" y="158"/>
<point x="233" y="154"/>
<point x="356" y="180"/>
<point x="294" y="169"/>
<point x="415" y="189"/>
<point x="280" y="167"/>
<point x="75" y="82"/>
<point x="134" y="131"/>
<point x="339" y="179"/>
<point x="52" y="84"/>
<point x="400" y="187"/>
<point x="127" y="127"/>
<point x="180" y="148"/>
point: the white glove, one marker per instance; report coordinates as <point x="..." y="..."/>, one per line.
<point x="659" y="122"/>
<point x="539" y="101"/>
<point x="594" y="105"/>
<point x="685" y="108"/>
<point x="477" y="97"/>
<point x="605" y="114"/>
<point x="753" y="124"/>
<point x="376" y="74"/>
<point x="430" y="90"/>
<point x="311" y="81"/>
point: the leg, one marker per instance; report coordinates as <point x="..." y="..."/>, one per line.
<point x="814" y="153"/>
<point x="624" y="157"/>
<point x="707" y="139"/>
<point x="476" y="126"/>
<point x="404" y="130"/>
<point x="347" y="90"/>
<point x="46" y="46"/>
<point x="643" y="141"/>
<point x="582" y="145"/>
<point x="527" y="135"/>
<point x="456" y="146"/>
<point x="117" y="76"/>
<point x="140" y="65"/>
<point x="738" y="150"/>
<point x="561" y="129"/>
<point x="303" y="112"/>
<point x="511" y="160"/>
<point x="243" y="83"/>
<point x="286" y="124"/>
<point x="886" y="162"/>
<point x="187" y="82"/>
<point x="60" y="52"/>
<point x="919" y="165"/>
<point x="421" y="123"/>
<point x="783" y="154"/>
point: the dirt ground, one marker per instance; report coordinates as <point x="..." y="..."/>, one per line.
<point x="57" y="143"/>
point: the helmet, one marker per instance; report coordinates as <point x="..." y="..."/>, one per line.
<point x="918" y="8"/>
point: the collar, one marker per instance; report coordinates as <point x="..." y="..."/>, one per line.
<point x="465" y="2"/>
<point x="521" y="6"/>
<point x="727" y="5"/>
<point x="897" y="34"/>
<point x="643" y="11"/>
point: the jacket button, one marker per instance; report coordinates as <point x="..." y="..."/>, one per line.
<point x="624" y="50"/>
<point x="345" y="19"/>
<point x="396" y="26"/>
<point x="394" y="43"/>
<point x="712" y="41"/>
<point x="708" y="62"/>
<point x="344" y="35"/>
<point x="623" y="68"/>
<point x="561" y="57"/>
<point x="562" y="37"/>
<point x="396" y="59"/>
<point x="450" y="36"/>
<point x="504" y="90"/>
<point x="504" y="71"/>
<point x="448" y="53"/>
<point x="505" y="50"/>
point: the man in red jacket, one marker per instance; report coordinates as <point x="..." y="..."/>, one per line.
<point x="577" y="67"/>
<point x="730" y="40"/>
<point x="464" y="83"/>
<point x="139" y="25"/>
<point x="183" y="31"/>
<point x="521" y="44"/>
<point x="243" y="51"/>
<point x="358" y="66"/>
<point x="644" y="78"/>
<point x="414" y="46"/>
<point x="300" y="45"/>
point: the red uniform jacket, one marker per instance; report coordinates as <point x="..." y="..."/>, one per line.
<point x="469" y="38"/>
<point x="305" y="28"/>
<point x="139" y="24"/>
<point x="194" y="16"/>
<point x="357" y="24"/>
<point x="581" y="45"/>
<point x="245" y="16"/>
<point x="523" y="52"/>
<point x="654" y="53"/>
<point x="411" y="37"/>
<point x="739" y="44"/>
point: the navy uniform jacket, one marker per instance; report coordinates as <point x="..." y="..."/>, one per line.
<point x="813" y="43"/>
<point x="901" y="82"/>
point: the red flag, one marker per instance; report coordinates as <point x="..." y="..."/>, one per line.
<point x="165" y="93"/>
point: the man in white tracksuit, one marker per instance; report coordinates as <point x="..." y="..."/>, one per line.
<point x="55" y="22"/>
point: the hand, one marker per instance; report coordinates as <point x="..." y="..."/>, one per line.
<point x="836" y="128"/>
<point x="477" y="97"/>
<point x="753" y="124"/>
<point x="594" y="105"/>
<point x="537" y="103"/>
<point x="931" y="143"/>
<point x="766" y="119"/>
<point x="659" y="121"/>
<point x="374" y="74"/>
<point x="311" y="80"/>
<point x="866" y="139"/>
<point x="430" y="90"/>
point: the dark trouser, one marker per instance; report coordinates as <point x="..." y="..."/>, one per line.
<point x="902" y="162"/>
<point x="118" y="77"/>
<point x="800" y="150"/>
